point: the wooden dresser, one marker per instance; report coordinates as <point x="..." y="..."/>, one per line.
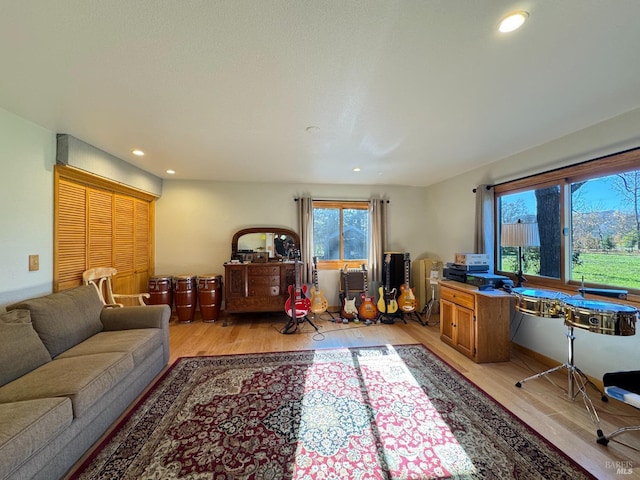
<point x="257" y="287"/>
<point x="474" y="322"/>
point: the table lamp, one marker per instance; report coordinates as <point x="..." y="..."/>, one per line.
<point x="520" y="235"/>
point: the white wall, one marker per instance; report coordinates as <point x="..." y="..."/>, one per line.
<point x="450" y="208"/>
<point x="195" y="221"/>
<point x="27" y="156"/>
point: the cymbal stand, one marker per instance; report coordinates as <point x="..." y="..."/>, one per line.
<point x="576" y="378"/>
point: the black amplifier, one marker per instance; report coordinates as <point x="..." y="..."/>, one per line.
<point x="468" y="268"/>
<point x="454" y="274"/>
<point x="486" y="280"/>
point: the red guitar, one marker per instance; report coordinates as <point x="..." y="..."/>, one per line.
<point x="297" y="305"/>
<point x="367" y="309"/>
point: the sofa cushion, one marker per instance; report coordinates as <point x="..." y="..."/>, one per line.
<point x="83" y="379"/>
<point x="25" y="427"/>
<point x="66" y="318"/>
<point x="21" y="350"/>
<point x="140" y="343"/>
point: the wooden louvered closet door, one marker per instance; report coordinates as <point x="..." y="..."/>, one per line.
<point x="101" y="224"/>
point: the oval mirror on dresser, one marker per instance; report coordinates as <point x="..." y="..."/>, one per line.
<point x="260" y="270"/>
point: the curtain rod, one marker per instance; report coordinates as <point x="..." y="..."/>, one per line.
<point x="557" y="169"/>
<point x="488" y="187"/>
<point x="340" y="200"/>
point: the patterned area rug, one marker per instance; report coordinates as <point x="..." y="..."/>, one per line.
<point x="391" y="412"/>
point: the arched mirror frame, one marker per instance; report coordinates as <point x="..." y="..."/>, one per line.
<point x="274" y="230"/>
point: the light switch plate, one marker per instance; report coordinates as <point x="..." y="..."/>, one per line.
<point x="34" y="263"/>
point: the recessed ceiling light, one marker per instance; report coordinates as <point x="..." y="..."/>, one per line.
<point x="171" y="172"/>
<point x="513" y="21"/>
<point x="356" y="169"/>
<point x="137" y="152"/>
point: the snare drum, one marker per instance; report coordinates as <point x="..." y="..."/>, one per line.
<point x="600" y="317"/>
<point x="541" y="303"/>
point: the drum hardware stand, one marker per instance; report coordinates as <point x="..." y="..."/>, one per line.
<point x="575" y="378"/>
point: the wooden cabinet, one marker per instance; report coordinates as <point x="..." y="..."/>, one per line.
<point x="475" y="323"/>
<point x="257" y="287"/>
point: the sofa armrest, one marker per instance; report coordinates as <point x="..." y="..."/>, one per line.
<point x="151" y="316"/>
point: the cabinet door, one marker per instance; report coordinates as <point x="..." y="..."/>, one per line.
<point x="447" y="318"/>
<point x="235" y="281"/>
<point x="464" y="327"/>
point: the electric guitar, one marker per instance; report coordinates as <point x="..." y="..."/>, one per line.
<point x="407" y="298"/>
<point x="297" y="305"/>
<point x="319" y="302"/>
<point x="387" y="301"/>
<point x="367" y="309"/>
<point x="349" y="311"/>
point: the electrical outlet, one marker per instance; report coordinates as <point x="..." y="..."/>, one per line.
<point x="34" y="263"/>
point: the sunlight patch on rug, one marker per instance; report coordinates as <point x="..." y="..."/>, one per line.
<point x="389" y="412"/>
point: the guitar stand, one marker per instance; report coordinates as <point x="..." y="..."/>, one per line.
<point x="390" y="317"/>
<point x="575" y="378"/>
<point x="292" y="324"/>
<point x="418" y="317"/>
<point x="333" y="319"/>
<point x="426" y="311"/>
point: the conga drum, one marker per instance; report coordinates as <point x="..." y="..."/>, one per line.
<point x="210" y="296"/>
<point x="160" y="289"/>
<point x="185" y="296"/>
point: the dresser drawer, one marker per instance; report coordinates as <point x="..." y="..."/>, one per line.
<point x="460" y="298"/>
<point x="266" y="280"/>
<point x="264" y="270"/>
<point x="264" y="291"/>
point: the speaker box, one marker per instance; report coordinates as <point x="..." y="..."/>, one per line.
<point x="420" y="281"/>
<point x="396" y="270"/>
<point x="355" y="281"/>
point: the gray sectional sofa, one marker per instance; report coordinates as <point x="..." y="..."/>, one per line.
<point x="68" y="368"/>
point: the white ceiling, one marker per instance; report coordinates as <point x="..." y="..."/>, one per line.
<point x="412" y="92"/>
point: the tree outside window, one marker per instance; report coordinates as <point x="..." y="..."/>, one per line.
<point x="593" y="236"/>
<point x="341" y="232"/>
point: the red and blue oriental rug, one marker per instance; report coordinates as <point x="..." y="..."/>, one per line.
<point x="390" y="412"/>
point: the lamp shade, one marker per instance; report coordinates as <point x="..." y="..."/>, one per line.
<point x="519" y="235"/>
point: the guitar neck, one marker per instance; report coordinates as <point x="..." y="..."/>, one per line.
<point x="406" y="269"/>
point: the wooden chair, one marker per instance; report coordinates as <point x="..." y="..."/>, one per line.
<point x="100" y="278"/>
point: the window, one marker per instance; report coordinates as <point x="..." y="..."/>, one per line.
<point x="340" y="233"/>
<point x="588" y="220"/>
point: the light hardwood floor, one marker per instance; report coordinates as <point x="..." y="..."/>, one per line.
<point x="542" y="403"/>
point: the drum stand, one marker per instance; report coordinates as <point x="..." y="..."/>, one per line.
<point x="575" y="378"/>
